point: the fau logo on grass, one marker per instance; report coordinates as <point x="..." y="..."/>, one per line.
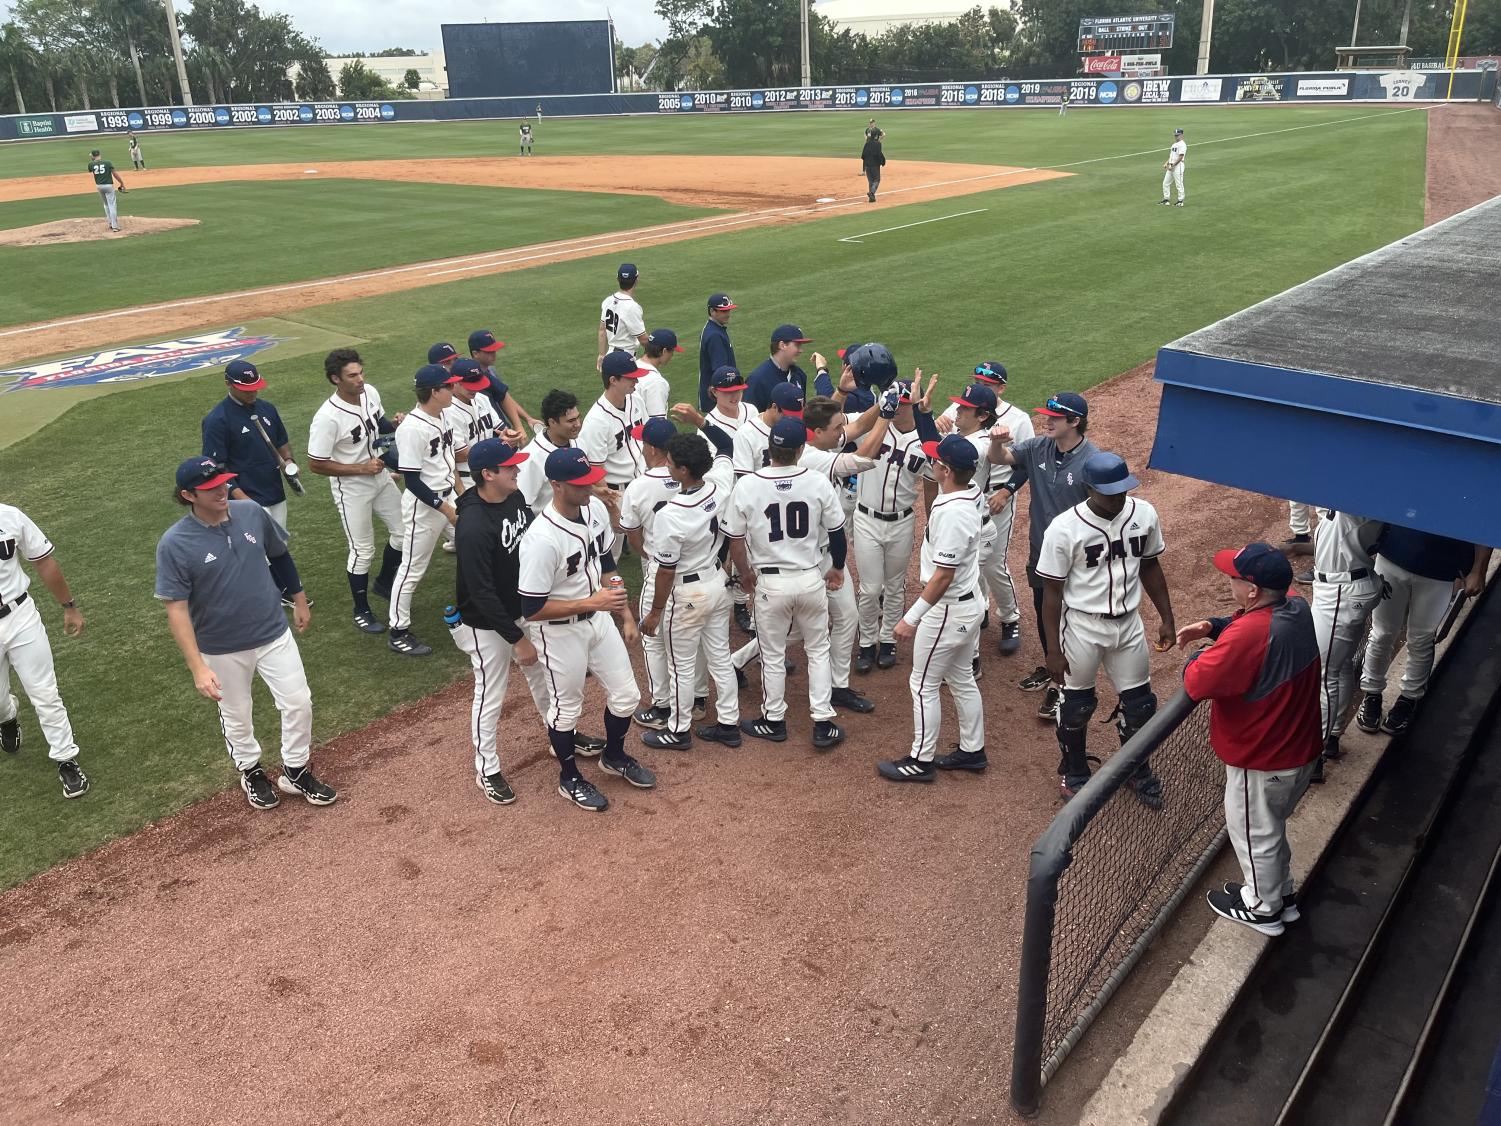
<point x="143" y="361"/>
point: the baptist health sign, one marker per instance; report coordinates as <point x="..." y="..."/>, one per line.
<point x="35" y="126"/>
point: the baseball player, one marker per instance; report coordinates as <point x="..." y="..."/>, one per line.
<point x="622" y="323"/>
<point x="137" y="160"/>
<point x="567" y="599"/>
<point x="526" y="138"/>
<point x="443" y="354"/>
<point x="482" y="349"/>
<point x="943" y="622"/>
<point x="1096" y="559"/>
<point x="342" y="447"/>
<point x="106" y="179"/>
<point x="607" y="436"/>
<point x="1052" y="461"/>
<point x="1300" y="529"/>
<point x="652" y="389"/>
<point x="872" y="130"/>
<point x="425" y="452"/>
<point x="1346" y="589"/>
<point x="561" y="422"/>
<point x="24" y="646"/>
<point x="224" y="613"/>
<point x="872" y="160"/>
<point x="1172" y="169"/>
<point x="714" y="348"/>
<point x="781" y="367"/>
<point x="471" y="417"/>
<point x="753" y="440"/>
<point x="773" y="521"/>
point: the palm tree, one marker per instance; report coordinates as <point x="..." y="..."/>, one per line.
<point x="125" y="19"/>
<point x="18" y="57"/>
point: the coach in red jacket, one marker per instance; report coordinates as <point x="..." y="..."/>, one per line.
<point x="1262" y="676"/>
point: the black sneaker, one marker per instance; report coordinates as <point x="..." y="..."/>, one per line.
<point x="1234" y="909"/>
<point x="827" y="733"/>
<point x="668" y="740"/>
<point x="75" y="781"/>
<point x="959" y="759"/>
<point x="1290" y="912"/>
<point x="1011" y="638"/>
<point x="586" y="746"/>
<point x="865" y="658"/>
<point x="581" y="792"/>
<point x="10" y="736"/>
<point x="1331" y="749"/>
<point x="728" y="735"/>
<point x="740" y="680"/>
<point x="1368" y="718"/>
<point x="258" y="789"/>
<point x="743" y="618"/>
<point x="1178" y="204"/>
<point x="1047" y="711"/>
<point x="631" y="770"/>
<point x="763" y="728"/>
<point x="1304" y="578"/>
<point x="907" y="770"/>
<point x="1398" y="719"/>
<point x="306" y="784"/>
<point x="1167" y="203"/>
<point x="851" y="701"/>
<point x="653" y="717"/>
<point x="495" y="788"/>
<point x="367" y="622"/>
<point x="1036" y="681"/>
<point x="1317" y="777"/>
<point x="407" y="643"/>
<point x="1298" y="545"/>
<point x="886" y="655"/>
<point x="700" y="707"/>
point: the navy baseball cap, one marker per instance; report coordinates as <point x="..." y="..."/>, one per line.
<point x="727" y="378"/>
<point x="621" y="364"/>
<point x="976" y="395"/>
<point x="568" y="465"/>
<point x="654" y="432"/>
<point x="492" y="453"/>
<point x="789" y="433"/>
<point x="441" y="353"/>
<point x="789" y="334"/>
<point x="788" y="397"/>
<point x="1258" y="563"/>
<point x="199" y="473"/>
<point x="627" y="271"/>
<point x="844" y="353"/>
<point x="483" y="340"/>
<point x="873" y="363"/>
<point x="955" y="451"/>
<point x="991" y="371"/>
<point x="242" y="375"/>
<point x="431" y="375"/>
<point x="1064" y="404"/>
<point x="470" y="372"/>
<point x="721" y="301"/>
<point x="663" y="339"/>
<point x="1107" y="473"/>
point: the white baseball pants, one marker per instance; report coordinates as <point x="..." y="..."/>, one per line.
<point x="1257" y="806"/>
<point x="1340" y="611"/>
<point x="358" y="501"/>
<point x="942" y="653"/>
<point x="279" y="664"/>
<point x="882" y="548"/>
<point x="1093" y="640"/>
<point x="781" y="600"/>
<point x="658" y="680"/>
<point x="107" y="194"/>
<point x="844" y="622"/>
<point x="571" y="650"/>
<point x="1173" y="178"/>
<point x="420" y="528"/>
<point x="1299" y="518"/>
<point x="491" y="656"/>
<point x="24" y="647"/>
<point x="695" y="632"/>
<point x="995" y="542"/>
<point x="1418" y="603"/>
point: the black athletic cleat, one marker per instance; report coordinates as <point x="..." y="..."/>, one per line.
<point x="1147" y="787"/>
<point x="974" y="666"/>
<point x="631" y="770"/>
<point x="408" y="644"/>
<point x="1368" y="718"/>
<point x="1398" y="719"/>
<point x="1317" y="777"/>
<point x="380" y="589"/>
<point x="886" y="655"/>
<point x="1234" y="909"/>
<point x="367" y="622"/>
<point x="865" y="658"/>
<point x="587" y="746"/>
<point x="1011" y="638"/>
<point x="581" y="792"/>
<point x="667" y="740"/>
<point x="1290" y="912"/>
<point x="740" y="681"/>
<point x="959" y="759"/>
<point x="720" y="733"/>
<point x="743" y="618"/>
<point x="763" y="728"/>
<point x="495" y="788"/>
<point x="10" y="736"/>
<point x="1036" y="681"/>
<point x="653" y="717"/>
<point x="826" y="734"/>
<point x="852" y="701"/>
<point x="258" y="789"/>
<point x="907" y="770"/>
<point x="1167" y="203"/>
<point x="75" y="782"/>
<point x="306" y="784"/>
<point x="1047" y="711"/>
<point x="1304" y="578"/>
<point x="1178" y="204"/>
<point x="1331" y="749"/>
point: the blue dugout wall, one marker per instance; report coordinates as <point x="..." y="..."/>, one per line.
<point x="1263" y="89"/>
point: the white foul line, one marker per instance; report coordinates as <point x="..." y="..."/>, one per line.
<point x="919" y="223"/>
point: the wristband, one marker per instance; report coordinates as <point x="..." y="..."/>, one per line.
<point x="70" y="604"/>
<point x="915" y="614"/>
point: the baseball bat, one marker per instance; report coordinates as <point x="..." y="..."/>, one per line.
<point x="288" y="470"/>
<point x="1451" y="615"/>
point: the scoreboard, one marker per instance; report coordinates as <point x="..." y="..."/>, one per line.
<point x="1125" y="33"/>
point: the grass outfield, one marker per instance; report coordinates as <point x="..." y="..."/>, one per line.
<point x="1066" y="282"/>
<point x="299" y="231"/>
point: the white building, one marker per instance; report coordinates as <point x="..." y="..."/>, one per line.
<point x="871" y="17"/>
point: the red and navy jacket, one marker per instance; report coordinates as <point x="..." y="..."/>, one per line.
<point x="1262" y="674"/>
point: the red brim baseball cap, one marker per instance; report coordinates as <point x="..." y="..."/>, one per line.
<point x="595" y="475"/>
<point x="731" y="387"/>
<point x="258" y="385"/>
<point x="960" y="400"/>
<point x="215" y="481"/>
<point x="1224" y="561"/>
<point x="931" y="449"/>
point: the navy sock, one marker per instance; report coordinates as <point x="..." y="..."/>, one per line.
<point x="359" y="586"/>
<point x="562" y="745"/>
<point x="389" y="562"/>
<point x="616" y="728"/>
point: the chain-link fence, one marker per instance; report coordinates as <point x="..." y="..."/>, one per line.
<point x="1104" y="877"/>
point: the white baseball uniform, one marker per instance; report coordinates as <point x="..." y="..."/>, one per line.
<point x="749" y="446"/>
<point x="561" y="558"/>
<point x="605" y="438"/>
<point x="343" y="433"/>
<point x="531" y="474"/>
<point x="1172" y="176"/>
<point x="1346" y="589"/>
<point x="780" y="512"/>
<point x="944" y="646"/>
<point x="470" y="422"/>
<point x="23" y="637"/>
<point x="995" y="538"/>
<point x="1099" y="563"/>
<point x="624" y="322"/>
<point x="696" y="619"/>
<point x="652" y="392"/>
<point x="730" y="424"/>
<point x="1299" y="518"/>
<point x="884" y="529"/>
<point x="639" y="504"/>
<point x="424" y="444"/>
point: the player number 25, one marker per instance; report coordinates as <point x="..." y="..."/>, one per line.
<point x="795" y="522"/>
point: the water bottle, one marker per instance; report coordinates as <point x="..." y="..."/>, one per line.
<point x="451" y="617"/>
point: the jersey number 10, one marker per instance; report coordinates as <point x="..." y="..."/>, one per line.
<point x="795" y="522"/>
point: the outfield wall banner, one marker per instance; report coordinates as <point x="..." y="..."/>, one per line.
<point x="1329" y="86"/>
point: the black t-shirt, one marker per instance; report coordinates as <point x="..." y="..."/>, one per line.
<point x="488" y="548"/>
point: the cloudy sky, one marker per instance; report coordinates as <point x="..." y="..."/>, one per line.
<point x="369" y="25"/>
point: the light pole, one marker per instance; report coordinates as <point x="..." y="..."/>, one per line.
<point x="1355" y="31"/>
<point x="182" y="67"/>
<point x="807" y="67"/>
<point x="1206" y="25"/>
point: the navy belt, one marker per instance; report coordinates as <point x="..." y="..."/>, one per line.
<point x="965" y="597"/>
<point x="584" y="617"/>
<point x="889" y="517"/>
<point x="20" y="598"/>
<point x="1342" y="576"/>
<point x="690" y="577"/>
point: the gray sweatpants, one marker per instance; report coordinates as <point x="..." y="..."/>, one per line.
<point x="1257" y="806"/>
<point x="107" y="193"/>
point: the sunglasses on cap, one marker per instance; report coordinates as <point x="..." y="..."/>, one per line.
<point x="1055" y="405"/>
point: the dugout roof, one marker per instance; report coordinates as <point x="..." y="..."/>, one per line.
<point x="1374" y="388"/>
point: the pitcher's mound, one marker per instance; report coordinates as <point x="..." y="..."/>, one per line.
<point x="88" y="230"/>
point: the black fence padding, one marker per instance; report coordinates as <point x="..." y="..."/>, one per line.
<point x="501" y="60"/>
